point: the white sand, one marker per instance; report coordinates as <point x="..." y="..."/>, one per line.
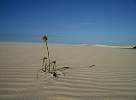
<point x="112" y="78"/>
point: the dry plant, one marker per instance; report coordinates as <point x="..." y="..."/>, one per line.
<point x="45" y="38"/>
<point x="49" y="66"/>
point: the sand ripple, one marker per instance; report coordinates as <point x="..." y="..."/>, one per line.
<point x="83" y="83"/>
<point x="105" y="81"/>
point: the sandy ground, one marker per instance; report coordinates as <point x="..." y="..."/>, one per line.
<point x="112" y="78"/>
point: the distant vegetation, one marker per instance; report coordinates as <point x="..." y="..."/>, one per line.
<point x="134" y="47"/>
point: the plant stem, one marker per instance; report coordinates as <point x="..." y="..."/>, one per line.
<point x="48" y="54"/>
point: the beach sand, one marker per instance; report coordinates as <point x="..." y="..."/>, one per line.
<point x="95" y="73"/>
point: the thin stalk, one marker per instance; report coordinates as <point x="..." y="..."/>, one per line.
<point x="48" y="54"/>
<point x="45" y="64"/>
<point x="54" y="65"/>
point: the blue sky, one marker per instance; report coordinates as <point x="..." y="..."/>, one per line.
<point x="69" y="21"/>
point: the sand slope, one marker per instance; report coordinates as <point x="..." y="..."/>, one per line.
<point x="112" y="78"/>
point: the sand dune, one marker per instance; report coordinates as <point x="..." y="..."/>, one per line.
<point x="115" y="46"/>
<point x="113" y="76"/>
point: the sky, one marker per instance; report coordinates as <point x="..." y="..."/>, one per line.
<point x="69" y="21"/>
